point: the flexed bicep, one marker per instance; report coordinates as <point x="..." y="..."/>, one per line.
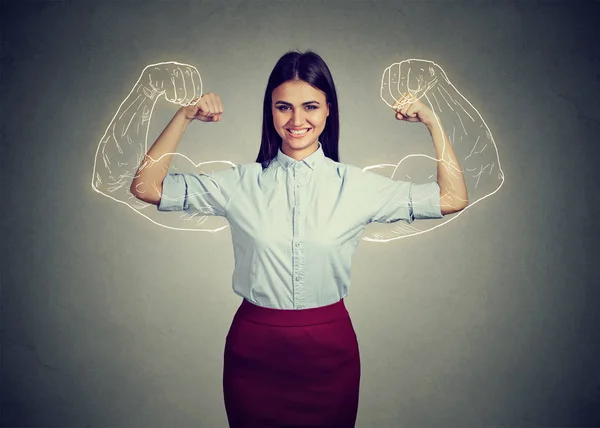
<point x="467" y="133"/>
<point x="122" y="148"/>
<point x="194" y="196"/>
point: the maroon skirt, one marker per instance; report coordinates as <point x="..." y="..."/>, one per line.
<point x="291" y="368"/>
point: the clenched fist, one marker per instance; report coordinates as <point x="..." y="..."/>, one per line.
<point x="403" y="85"/>
<point x="179" y="83"/>
<point x="208" y="108"/>
<point x="411" y="109"/>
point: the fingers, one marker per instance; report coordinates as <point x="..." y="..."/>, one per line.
<point x="178" y="82"/>
<point x="407" y="107"/>
<point x="219" y="104"/>
<point x="212" y="104"/>
<point x="186" y="84"/>
<point x="196" y="82"/>
<point x="411" y="110"/>
<point x="210" y="107"/>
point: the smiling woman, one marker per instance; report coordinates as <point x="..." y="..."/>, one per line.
<point x="300" y="107"/>
<point x="291" y="356"/>
<point x="299" y="123"/>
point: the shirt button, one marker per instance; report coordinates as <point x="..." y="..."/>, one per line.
<point x="297" y="244"/>
<point x="297" y="278"/>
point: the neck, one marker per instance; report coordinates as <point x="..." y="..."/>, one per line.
<point x="300" y="153"/>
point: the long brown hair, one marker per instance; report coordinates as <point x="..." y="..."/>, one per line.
<point x="310" y="68"/>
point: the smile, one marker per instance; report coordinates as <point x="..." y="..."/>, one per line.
<point x="297" y="132"/>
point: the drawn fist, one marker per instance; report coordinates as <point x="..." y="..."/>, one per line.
<point x="179" y="83"/>
<point x="403" y="84"/>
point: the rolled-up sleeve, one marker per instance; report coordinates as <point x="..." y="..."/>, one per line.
<point x="205" y="193"/>
<point x="395" y="200"/>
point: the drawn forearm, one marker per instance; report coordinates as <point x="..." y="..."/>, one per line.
<point x="122" y="147"/>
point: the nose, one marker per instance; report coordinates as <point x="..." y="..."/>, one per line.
<point x="297" y="118"/>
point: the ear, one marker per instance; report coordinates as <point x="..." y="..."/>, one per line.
<point x="328" y="107"/>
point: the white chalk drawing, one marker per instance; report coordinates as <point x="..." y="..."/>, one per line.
<point x="125" y="143"/>
<point x="469" y="135"/>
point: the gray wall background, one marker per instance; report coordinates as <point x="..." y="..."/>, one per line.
<point x="491" y="320"/>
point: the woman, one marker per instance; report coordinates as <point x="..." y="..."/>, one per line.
<point x="296" y="216"/>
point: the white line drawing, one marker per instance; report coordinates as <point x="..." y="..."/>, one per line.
<point x="125" y="143"/>
<point x="467" y="131"/>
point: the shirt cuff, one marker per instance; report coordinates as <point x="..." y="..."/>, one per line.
<point x="174" y="193"/>
<point x="425" y="200"/>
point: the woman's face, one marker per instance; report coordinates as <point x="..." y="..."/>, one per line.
<point x="299" y="114"/>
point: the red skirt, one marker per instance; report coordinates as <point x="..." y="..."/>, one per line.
<point x="291" y="368"/>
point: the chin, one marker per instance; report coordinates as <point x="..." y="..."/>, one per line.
<point x="299" y="145"/>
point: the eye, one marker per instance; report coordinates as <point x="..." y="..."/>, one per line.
<point x="312" y="107"/>
<point x="282" y="108"/>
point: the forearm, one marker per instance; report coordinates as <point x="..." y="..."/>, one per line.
<point x="453" y="189"/>
<point x="154" y="167"/>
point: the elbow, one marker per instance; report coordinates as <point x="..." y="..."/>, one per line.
<point x="463" y="204"/>
<point x="150" y="197"/>
<point x="453" y="202"/>
<point x="134" y="188"/>
<point x="451" y="209"/>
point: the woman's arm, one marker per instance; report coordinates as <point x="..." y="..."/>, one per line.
<point x="450" y="178"/>
<point x="453" y="189"/>
<point x="123" y="144"/>
<point x="147" y="184"/>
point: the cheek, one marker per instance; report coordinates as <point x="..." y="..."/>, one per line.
<point x="277" y="120"/>
<point x="320" y="119"/>
<point x="281" y="118"/>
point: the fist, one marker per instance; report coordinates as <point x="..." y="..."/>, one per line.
<point x="208" y="108"/>
<point x="404" y="84"/>
<point x="410" y="109"/>
<point x="179" y="83"/>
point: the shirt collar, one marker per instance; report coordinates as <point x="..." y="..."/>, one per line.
<point x="311" y="161"/>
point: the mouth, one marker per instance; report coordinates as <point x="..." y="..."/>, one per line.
<point x="298" y="133"/>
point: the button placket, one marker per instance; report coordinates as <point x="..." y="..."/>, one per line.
<point x="298" y="255"/>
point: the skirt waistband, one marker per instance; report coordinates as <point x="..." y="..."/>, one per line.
<point x="293" y="317"/>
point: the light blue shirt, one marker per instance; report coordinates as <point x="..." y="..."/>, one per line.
<point x="296" y="225"/>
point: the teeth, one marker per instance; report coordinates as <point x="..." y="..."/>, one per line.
<point x="304" y="131"/>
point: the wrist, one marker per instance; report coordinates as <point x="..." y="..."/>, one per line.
<point x="433" y="124"/>
<point x="431" y="127"/>
<point x="182" y="116"/>
<point x="434" y="127"/>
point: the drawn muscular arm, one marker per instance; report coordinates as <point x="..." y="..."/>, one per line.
<point x="123" y="162"/>
<point x="459" y="127"/>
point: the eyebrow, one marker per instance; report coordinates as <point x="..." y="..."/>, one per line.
<point x="291" y="105"/>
